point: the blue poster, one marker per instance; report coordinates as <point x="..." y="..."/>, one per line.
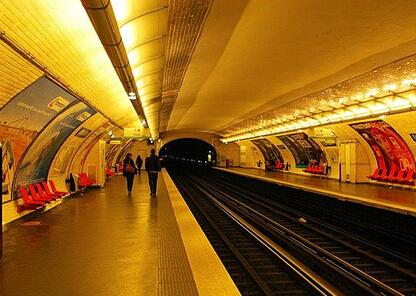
<point x="24" y="116"/>
<point x="35" y="164"/>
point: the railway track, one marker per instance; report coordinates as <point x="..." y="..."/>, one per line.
<point x="254" y="266"/>
<point x="387" y="229"/>
<point x="350" y="263"/>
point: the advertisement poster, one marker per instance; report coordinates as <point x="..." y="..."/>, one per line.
<point x="7" y="170"/>
<point x="304" y="149"/>
<point x="24" y="116"/>
<point x="62" y="160"/>
<point x="390" y="149"/>
<point x="269" y="151"/>
<point x="124" y="150"/>
<point x="83" y="133"/>
<point x="94" y="140"/>
<point x="35" y="164"/>
<point x="112" y="151"/>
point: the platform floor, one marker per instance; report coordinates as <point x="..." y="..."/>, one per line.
<point x="106" y="243"/>
<point x="393" y="199"/>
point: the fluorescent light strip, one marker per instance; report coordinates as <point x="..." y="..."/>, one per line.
<point x="369" y="107"/>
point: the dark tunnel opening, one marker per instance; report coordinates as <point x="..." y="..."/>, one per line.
<point x="188" y="154"/>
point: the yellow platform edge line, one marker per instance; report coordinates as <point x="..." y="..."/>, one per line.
<point x="210" y="275"/>
<point x="334" y="194"/>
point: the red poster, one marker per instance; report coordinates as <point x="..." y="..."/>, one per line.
<point x="390" y="149"/>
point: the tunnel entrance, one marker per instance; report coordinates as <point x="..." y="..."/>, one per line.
<point x="188" y="152"/>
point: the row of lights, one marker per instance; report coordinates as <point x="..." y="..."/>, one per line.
<point x="390" y="99"/>
<point x="132" y="97"/>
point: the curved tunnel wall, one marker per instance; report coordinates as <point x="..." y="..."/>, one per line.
<point x="55" y="133"/>
<point x="47" y="133"/>
<point x="36" y="123"/>
<point x="391" y="130"/>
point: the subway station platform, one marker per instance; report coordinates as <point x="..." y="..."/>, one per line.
<point x="106" y="243"/>
<point x="388" y="198"/>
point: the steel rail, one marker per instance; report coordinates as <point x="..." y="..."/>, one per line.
<point x="268" y="223"/>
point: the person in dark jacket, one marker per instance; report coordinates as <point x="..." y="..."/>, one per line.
<point x="152" y="166"/>
<point x="139" y="163"/>
<point x="129" y="169"/>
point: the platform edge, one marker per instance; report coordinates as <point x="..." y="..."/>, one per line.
<point x="339" y="196"/>
<point x="210" y="275"/>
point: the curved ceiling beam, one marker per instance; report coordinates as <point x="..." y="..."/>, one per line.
<point x="147" y="41"/>
<point x="151" y="83"/>
<point x="147" y="74"/>
<point x="122" y="24"/>
<point x="148" y="60"/>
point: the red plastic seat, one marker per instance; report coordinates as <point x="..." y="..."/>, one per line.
<point x="109" y="172"/>
<point x="391" y="176"/>
<point x="28" y="200"/>
<point x="54" y="190"/>
<point x="35" y="196"/>
<point x="400" y="176"/>
<point x="374" y="174"/>
<point x="49" y="192"/>
<point x="87" y="179"/>
<point x="382" y="175"/>
<point x="84" y="181"/>
<point x="408" y="179"/>
<point x="279" y="165"/>
<point x="44" y="194"/>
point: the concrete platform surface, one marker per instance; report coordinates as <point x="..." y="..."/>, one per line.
<point x="106" y="243"/>
<point x="389" y="198"/>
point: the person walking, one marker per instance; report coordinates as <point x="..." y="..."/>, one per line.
<point x="139" y="163"/>
<point x="129" y="170"/>
<point x="152" y="166"/>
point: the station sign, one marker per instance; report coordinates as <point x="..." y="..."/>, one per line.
<point x="329" y="142"/>
<point x="133" y="133"/>
<point x="115" y="142"/>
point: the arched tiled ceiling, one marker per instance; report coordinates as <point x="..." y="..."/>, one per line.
<point x="59" y="36"/>
<point x="256" y="55"/>
<point x="160" y="36"/>
<point x="144" y="27"/>
<point x="10" y="64"/>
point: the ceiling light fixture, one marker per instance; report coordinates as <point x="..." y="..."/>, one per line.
<point x="132" y="96"/>
<point x="375" y="107"/>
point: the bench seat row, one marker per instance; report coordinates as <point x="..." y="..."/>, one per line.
<point x="279" y="165"/>
<point x="84" y="181"/>
<point x="315" y="169"/>
<point x="109" y="172"/>
<point x="38" y="195"/>
<point x="402" y="176"/>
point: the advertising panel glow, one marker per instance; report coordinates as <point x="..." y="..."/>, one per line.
<point x="304" y="149"/>
<point x="269" y="151"/>
<point x="390" y="149"/>
<point x="37" y="160"/>
<point x="24" y="116"/>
